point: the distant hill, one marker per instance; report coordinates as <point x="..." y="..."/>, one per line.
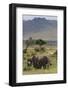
<point x="40" y="28"/>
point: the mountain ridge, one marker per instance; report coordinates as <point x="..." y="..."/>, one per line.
<point x="41" y="25"/>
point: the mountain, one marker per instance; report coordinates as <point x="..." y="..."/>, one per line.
<point x="40" y="28"/>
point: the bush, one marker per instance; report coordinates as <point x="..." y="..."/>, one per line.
<point x="25" y="50"/>
<point x="42" y="49"/>
<point x="37" y="49"/>
<point x="25" y="69"/>
<point x="33" y="54"/>
<point x="24" y="57"/>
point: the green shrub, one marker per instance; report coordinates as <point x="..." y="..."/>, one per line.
<point x="25" y="50"/>
<point x="42" y="49"/>
<point x="37" y="49"/>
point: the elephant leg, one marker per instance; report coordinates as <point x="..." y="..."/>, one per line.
<point x="48" y="66"/>
<point x="44" y="67"/>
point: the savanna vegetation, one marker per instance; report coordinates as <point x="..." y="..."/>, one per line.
<point x="39" y="57"/>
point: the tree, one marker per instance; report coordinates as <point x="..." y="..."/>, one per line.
<point x="28" y="42"/>
<point x="26" y="46"/>
<point x="40" y="42"/>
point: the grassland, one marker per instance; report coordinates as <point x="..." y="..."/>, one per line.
<point x="49" y="51"/>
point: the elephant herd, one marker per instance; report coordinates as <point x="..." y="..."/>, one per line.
<point x="37" y="63"/>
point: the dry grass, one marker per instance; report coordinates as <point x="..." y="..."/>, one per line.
<point x="48" y="51"/>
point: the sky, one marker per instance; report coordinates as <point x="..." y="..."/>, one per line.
<point x="30" y="17"/>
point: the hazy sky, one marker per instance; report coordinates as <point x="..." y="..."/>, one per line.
<point x="30" y="17"/>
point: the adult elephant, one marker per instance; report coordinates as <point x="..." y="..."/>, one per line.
<point x="35" y="62"/>
<point x="45" y="62"/>
<point x="39" y="63"/>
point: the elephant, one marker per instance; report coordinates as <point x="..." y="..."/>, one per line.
<point x="39" y="63"/>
